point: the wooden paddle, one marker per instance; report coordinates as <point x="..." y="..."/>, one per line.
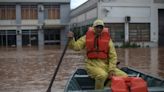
<point x="56" y="69"/>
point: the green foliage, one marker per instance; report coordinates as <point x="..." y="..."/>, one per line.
<point x="116" y="46"/>
<point x="129" y="45"/>
<point x="147" y="46"/>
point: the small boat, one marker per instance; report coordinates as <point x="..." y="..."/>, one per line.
<point x="81" y="82"/>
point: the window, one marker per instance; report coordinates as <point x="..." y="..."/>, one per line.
<point x="52" y="12"/>
<point x="29" y="12"/>
<point x="7" y="12"/>
<point x="51" y="36"/>
<point x="139" y="32"/>
<point x="29" y="37"/>
<point x="116" y="31"/>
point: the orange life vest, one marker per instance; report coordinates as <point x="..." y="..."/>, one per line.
<point x="128" y="84"/>
<point x="102" y="44"/>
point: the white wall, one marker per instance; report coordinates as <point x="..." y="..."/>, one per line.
<point x="35" y="1"/>
<point x="91" y="14"/>
<point x="85" y="16"/>
<point x="130" y="1"/>
<point x="154" y="21"/>
<point x="116" y="12"/>
<point x="81" y="18"/>
<point x="140" y="11"/>
<point x="7" y="22"/>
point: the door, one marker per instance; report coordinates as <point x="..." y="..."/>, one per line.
<point x="161" y="27"/>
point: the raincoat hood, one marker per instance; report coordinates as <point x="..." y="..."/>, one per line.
<point x="98" y="22"/>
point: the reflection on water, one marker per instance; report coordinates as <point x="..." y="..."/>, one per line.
<point x="31" y="69"/>
<point x="148" y="60"/>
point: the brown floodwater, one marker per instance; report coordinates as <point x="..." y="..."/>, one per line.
<point x="31" y="69"/>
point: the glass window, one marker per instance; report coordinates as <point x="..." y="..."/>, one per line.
<point x="139" y="32"/>
<point x="7" y="12"/>
<point x="52" y="12"/>
<point x="11" y="32"/>
<point x="2" y="32"/>
<point x="29" y="38"/>
<point x="116" y="31"/>
<point x="50" y="34"/>
<point x="29" y="12"/>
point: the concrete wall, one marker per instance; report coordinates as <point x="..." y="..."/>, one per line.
<point x="64" y="19"/>
<point x="19" y="24"/>
<point x="87" y="6"/>
<point x="140" y="11"/>
<point x="154" y="21"/>
<point x="42" y="1"/>
<point x="114" y="11"/>
<point x="130" y="1"/>
<point x="158" y="1"/>
<point x="64" y="13"/>
<point x="91" y="14"/>
<point x="40" y="30"/>
<point x="85" y="16"/>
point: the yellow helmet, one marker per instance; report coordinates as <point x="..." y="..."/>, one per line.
<point x="98" y="22"/>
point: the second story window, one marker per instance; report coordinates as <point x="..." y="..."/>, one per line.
<point x="29" y="12"/>
<point x="52" y="12"/>
<point x="7" y="12"/>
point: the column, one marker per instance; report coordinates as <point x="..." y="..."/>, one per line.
<point x="63" y="37"/>
<point x="18" y="22"/>
<point x="40" y="26"/>
<point x="126" y="32"/>
<point x="41" y="38"/>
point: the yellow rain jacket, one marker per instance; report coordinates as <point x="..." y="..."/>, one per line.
<point x="99" y="68"/>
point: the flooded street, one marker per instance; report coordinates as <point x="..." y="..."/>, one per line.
<point x="31" y="69"/>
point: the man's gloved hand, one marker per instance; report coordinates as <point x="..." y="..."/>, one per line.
<point x="111" y="73"/>
<point x="70" y="34"/>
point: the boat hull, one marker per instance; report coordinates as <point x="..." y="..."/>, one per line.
<point x="81" y="82"/>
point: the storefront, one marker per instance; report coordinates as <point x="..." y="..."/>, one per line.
<point x="161" y="26"/>
<point x="52" y="36"/>
<point x="29" y="38"/>
<point x="8" y="38"/>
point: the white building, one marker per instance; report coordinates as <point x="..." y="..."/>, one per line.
<point x="33" y="22"/>
<point x="134" y="21"/>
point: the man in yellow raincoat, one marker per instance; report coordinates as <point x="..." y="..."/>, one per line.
<point x="101" y="58"/>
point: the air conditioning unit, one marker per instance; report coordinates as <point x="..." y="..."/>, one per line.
<point x="127" y="19"/>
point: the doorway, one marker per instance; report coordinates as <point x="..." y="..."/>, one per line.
<point x="161" y="26"/>
<point x="29" y="38"/>
<point x="52" y="37"/>
<point x="8" y="38"/>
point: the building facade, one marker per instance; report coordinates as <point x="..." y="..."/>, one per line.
<point x="133" y="21"/>
<point x="33" y="22"/>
